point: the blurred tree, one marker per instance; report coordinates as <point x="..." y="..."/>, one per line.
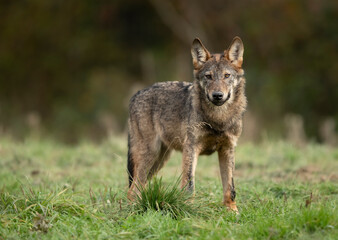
<point x="73" y="63"/>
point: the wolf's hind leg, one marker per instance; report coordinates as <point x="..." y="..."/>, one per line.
<point x="161" y="159"/>
<point x="144" y="157"/>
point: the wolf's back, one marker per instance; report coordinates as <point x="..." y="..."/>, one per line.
<point x="163" y="96"/>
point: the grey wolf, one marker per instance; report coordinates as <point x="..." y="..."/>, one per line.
<point x="199" y="117"/>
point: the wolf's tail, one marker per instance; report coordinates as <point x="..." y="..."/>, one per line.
<point x="130" y="164"/>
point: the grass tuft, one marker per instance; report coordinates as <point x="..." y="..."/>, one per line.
<point x="168" y="199"/>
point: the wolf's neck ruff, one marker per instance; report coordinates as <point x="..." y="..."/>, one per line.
<point x="220" y="118"/>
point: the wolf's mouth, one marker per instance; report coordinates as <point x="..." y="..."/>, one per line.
<point x="228" y="97"/>
<point x="219" y="102"/>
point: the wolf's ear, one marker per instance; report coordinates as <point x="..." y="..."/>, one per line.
<point x="235" y="52"/>
<point x="199" y="53"/>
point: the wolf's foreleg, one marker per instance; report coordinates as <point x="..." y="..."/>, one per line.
<point x="189" y="163"/>
<point x="226" y="156"/>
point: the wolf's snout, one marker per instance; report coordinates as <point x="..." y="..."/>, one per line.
<point x="217" y="96"/>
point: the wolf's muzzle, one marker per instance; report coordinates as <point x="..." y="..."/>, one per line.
<point x="218" y="98"/>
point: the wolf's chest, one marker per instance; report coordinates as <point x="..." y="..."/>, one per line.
<point x="211" y="142"/>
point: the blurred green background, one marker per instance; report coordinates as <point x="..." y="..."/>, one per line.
<point x="68" y="68"/>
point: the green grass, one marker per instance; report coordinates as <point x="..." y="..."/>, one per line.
<point x="52" y="191"/>
<point x="169" y="199"/>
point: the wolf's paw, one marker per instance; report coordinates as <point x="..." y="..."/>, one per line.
<point x="232" y="207"/>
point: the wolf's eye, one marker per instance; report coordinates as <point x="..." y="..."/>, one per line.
<point x="208" y="76"/>
<point x="227" y="75"/>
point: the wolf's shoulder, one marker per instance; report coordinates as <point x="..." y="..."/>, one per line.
<point x="172" y="86"/>
<point x="163" y="90"/>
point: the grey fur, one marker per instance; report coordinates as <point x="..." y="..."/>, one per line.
<point x="185" y="117"/>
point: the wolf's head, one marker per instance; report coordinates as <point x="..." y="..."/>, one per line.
<point x="218" y="75"/>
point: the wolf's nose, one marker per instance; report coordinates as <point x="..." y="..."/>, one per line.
<point x="217" y="95"/>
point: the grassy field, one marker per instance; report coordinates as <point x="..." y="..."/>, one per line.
<point x="52" y="191"/>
